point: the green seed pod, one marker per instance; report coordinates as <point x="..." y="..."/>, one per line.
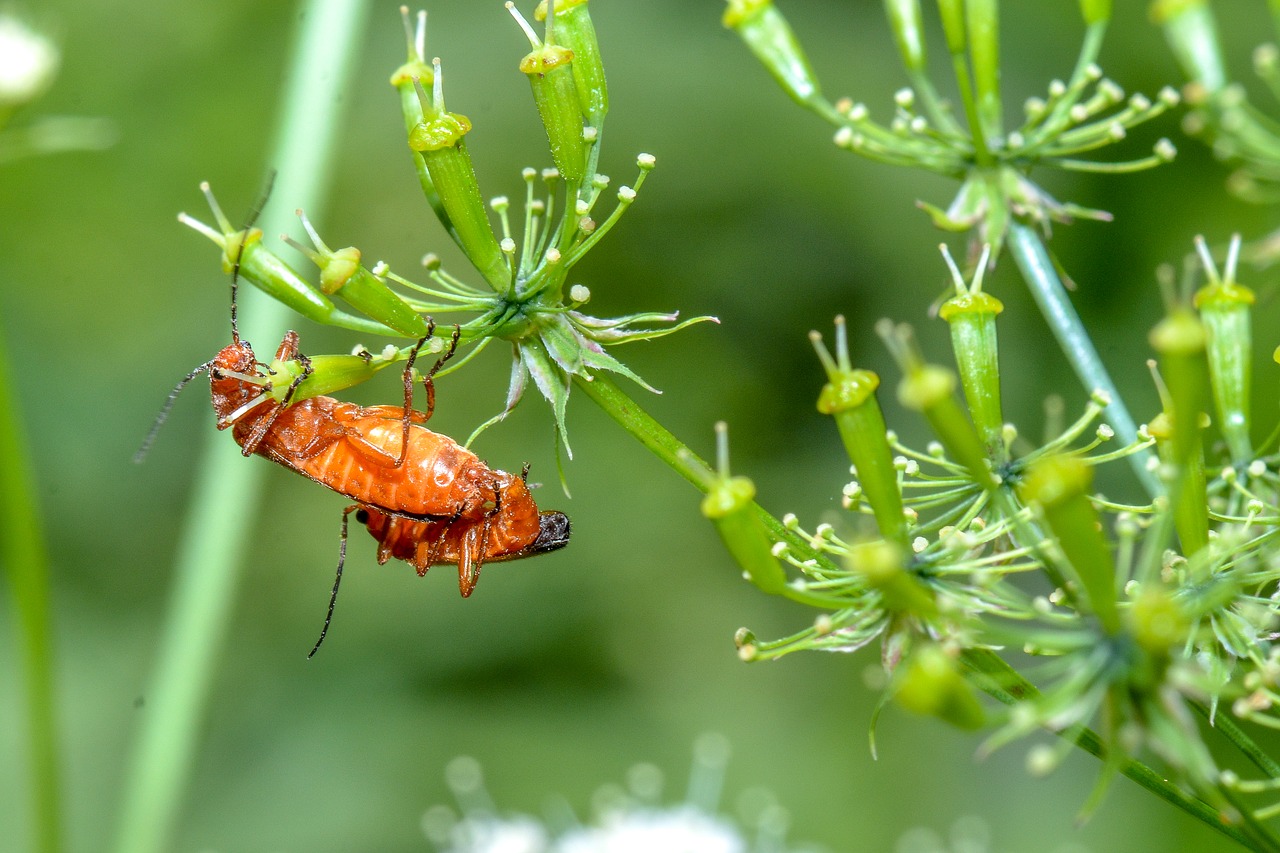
<point x="1190" y="495"/>
<point x="930" y="389"/>
<point x="983" y="21"/>
<point x="574" y="30"/>
<point x="1180" y="339"/>
<point x="550" y="72"/>
<point x="952" y="14"/>
<point x="441" y="144"/>
<point x="341" y="273"/>
<point x="849" y="397"/>
<point x="971" y="314"/>
<point x="271" y="274"/>
<point x="1059" y="485"/>
<point x="768" y="35"/>
<point x="908" y="32"/>
<point x="1225" y="309"/>
<point x="1192" y="33"/>
<point x="729" y="504"/>
<point x="932" y="684"/>
<point x="329" y="374"/>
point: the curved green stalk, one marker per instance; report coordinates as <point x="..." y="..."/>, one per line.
<point x="26" y="565"/>
<point x="215" y="537"/>
<point x="1037" y="270"/>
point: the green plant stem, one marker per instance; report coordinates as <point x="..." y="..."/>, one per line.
<point x="26" y="565"/>
<point x="653" y="435"/>
<point x="217" y="530"/>
<point x="1240" y="740"/>
<point x="1037" y="270"/>
<point x="1002" y="682"/>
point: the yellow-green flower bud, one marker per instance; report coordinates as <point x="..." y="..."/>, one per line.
<point x="1180" y="339"/>
<point x="931" y="684"/>
<point x="1157" y="621"/>
<point x="882" y="566"/>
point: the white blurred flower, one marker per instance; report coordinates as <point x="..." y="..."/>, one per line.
<point x="518" y="834"/>
<point x="28" y="62"/>
<point x="680" y="829"/>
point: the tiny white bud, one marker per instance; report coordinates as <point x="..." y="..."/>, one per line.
<point x="508" y="246"/>
<point x="1079" y="113"/>
<point x="499" y="203"/>
<point x="1257" y="468"/>
<point x="842" y="137"/>
<point x="590" y="133"/>
<point x="1165" y="150"/>
<point x="1116" y="131"/>
<point x="380" y="269"/>
<point x="1057" y="88"/>
<point x="919" y="544"/>
<point x="626" y="195"/>
<point x="581" y="207"/>
<point x="1140" y="102"/>
<point x="646" y="161"/>
<point x="528" y="173"/>
<point x="580" y="293"/>
<point x="550" y="173"/>
<point x="389" y="352"/>
<point x="1093" y="71"/>
<point x="778" y="549"/>
<point x="904" y="97"/>
<point x="552" y="255"/>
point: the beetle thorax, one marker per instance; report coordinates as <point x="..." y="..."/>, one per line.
<point x="230" y="391"/>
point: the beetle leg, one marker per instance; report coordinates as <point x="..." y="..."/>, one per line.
<point x="408" y="393"/>
<point x="263" y="426"/>
<point x="468" y="569"/>
<point x="337" y="580"/>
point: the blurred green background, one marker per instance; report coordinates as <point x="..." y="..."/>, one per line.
<point x="560" y="672"/>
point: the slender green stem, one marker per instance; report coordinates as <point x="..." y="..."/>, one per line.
<point x="1038" y="271"/>
<point x="215" y="536"/>
<point x="22" y="555"/>
<point x="1240" y="740"/>
<point x="998" y="679"/>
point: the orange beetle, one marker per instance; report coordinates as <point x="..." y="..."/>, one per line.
<point x="424" y="498"/>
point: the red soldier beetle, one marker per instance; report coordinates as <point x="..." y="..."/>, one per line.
<point x="423" y="497"/>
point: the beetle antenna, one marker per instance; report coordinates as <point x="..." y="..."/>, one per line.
<point x="164" y="411"/>
<point x="254" y="213"/>
<point x="337" y="580"/>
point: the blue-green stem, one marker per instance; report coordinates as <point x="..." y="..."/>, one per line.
<point x="215" y="534"/>
<point x="1038" y="271"/>
<point x="26" y="567"/>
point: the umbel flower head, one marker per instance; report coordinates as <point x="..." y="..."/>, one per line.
<point x="1085" y="113"/>
<point x="527" y="297"/>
